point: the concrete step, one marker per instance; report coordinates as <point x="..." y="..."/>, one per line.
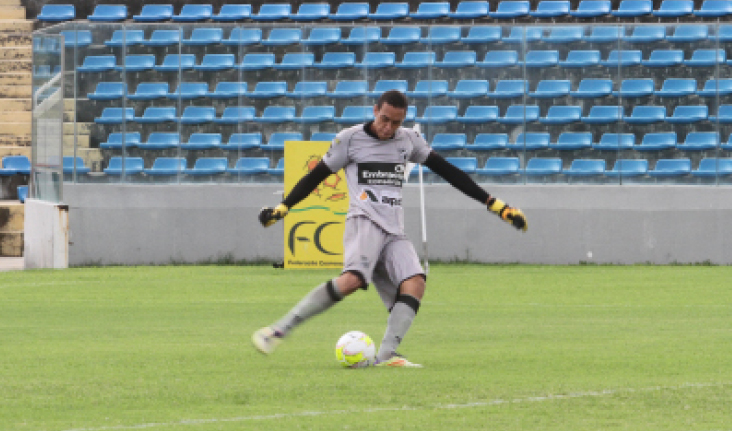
<point x="10" y="2"/>
<point x="12" y="215"/>
<point x="16" y="117"/>
<point x="11" y="244"/>
<point x="15" y="91"/>
<point x="16" y="53"/>
<point x="11" y="66"/>
<point x="16" y="104"/>
<point x="15" y="39"/>
<point x="16" y="128"/>
<point x="91" y="156"/>
<point x="16" y="26"/>
<point x="15" y="140"/>
<point x="12" y="12"/>
<point x="81" y="128"/>
<point x="16" y="78"/>
<point x="82" y="141"/>
<point x="15" y="151"/>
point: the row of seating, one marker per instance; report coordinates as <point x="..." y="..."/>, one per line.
<point x="15" y="165"/>
<point x="464" y="89"/>
<point x="167" y="166"/>
<point x="390" y="11"/>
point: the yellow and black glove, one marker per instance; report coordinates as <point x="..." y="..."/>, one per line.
<point x="511" y="215"/>
<point x="269" y="216"/>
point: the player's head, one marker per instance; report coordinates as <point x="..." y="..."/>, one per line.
<point x="389" y="113"/>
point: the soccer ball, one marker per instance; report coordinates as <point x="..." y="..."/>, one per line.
<point x="355" y="347"/>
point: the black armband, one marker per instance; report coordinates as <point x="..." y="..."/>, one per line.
<point x="457" y="178"/>
<point x="307" y="184"/>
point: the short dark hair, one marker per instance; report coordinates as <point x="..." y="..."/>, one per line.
<point x="394" y="98"/>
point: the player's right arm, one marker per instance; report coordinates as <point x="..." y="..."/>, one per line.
<point x="269" y="216"/>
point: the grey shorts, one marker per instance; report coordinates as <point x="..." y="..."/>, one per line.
<point x="379" y="257"/>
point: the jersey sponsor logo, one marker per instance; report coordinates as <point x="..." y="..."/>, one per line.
<point x="381" y="174"/>
<point x="386" y="198"/>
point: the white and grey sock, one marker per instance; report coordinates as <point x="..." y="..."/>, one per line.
<point x="318" y="300"/>
<point x="400" y="319"/>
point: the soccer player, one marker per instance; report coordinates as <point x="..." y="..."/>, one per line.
<point x="374" y="156"/>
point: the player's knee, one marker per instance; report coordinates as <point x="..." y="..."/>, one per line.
<point x="349" y="282"/>
<point x="414" y="286"/>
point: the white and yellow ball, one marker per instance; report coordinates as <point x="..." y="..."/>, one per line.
<point x="355" y="347"/>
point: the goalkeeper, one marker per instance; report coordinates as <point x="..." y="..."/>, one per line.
<point x="374" y="156"/>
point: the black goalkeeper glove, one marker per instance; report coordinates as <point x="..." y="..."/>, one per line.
<point x="269" y="216"/>
<point x="510" y="215"/>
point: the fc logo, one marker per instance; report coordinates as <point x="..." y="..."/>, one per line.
<point x="305" y="231"/>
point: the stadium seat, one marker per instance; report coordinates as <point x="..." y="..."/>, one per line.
<point x="635" y="88"/>
<point x="112" y="115"/>
<point x="98" y="63"/>
<point x="416" y="60"/>
<point x="469" y="88"/>
<point x="431" y="10"/>
<point x="581" y="59"/>
<point x="243" y="141"/>
<point x="276" y="114"/>
<point x="674" y="8"/>
<point x="376" y="60"/>
<point x="119" y="140"/>
<point x="362" y="36"/>
<point x="572" y="141"/>
<point x="437" y="115"/>
<point x="350" y="12"/>
<point x="657" y="141"/>
<point x="689" y="33"/>
<point x="322" y="136"/>
<point x="470" y="10"/>
<point x="700" y="141"/>
<point x="336" y="60"/>
<point x="499" y="59"/>
<point x="664" y="58"/>
<point x="124" y="165"/>
<point x="489" y="142"/>
<point x="198" y="115"/>
<point x="176" y="63"/>
<point x="202" y="141"/>
<point x="189" y="91"/>
<point x="296" y="61"/>
<point x="707" y="58"/>
<point x="268" y="90"/>
<point x="465" y="164"/>
<point x="510" y="88"/>
<point x="605" y="34"/>
<point x="389" y="11"/>
<point x="228" y="90"/>
<point x="521" y="35"/>
<point x="542" y="59"/>
<point x="160" y="141"/>
<point x="519" y="114"/>
<point x="243" y="36"/>
<point x="311" y="12"/>
<point x="615" y="142"/>
<point x="448" y="141"/>
<point x="593" y="88"/>
<point x="712" y="87"/>
<point x="402" y="35"/>
<point x="646" y="115"/>
<point x="724" y="115"/>
<point x="125" y="38"/>
<point x="166" y="166"/>
<point x="279" y="169"/>
<point x="71" y="164"/>
<point x="633" y="8"/>
<point x="586" y="168"/>
<point x="482" y="34"/>
<point x="551" y="9"/>
<point x="320" y="36"/>
<point x="250" y="166"/>
<point x="157" y="115"/>
<point x="714" y="9"/>
<point x="457" y="59"/>
<point x="623" y="58"/>
<point x="108" y="91"/>
<point x="500" y="166"/>
<point x="539" y="166"/>
<point x="57" y="13"/>
<point x="236" y="115"/>
<point x="411" y="114"/>
<point x="136" y="63"/>
<point x="154" y="13"/>
<point x="277" y="140"/>
<point x="315" y="114"/>
<point x="564" y="35"/>
<point x="628" y="168"/>
<point x="108" y="13"/>
<point x="603" y="114"/>
<point x="205" y="166"/>
<point x="677" y="87"/>
<point x="272" y="12"/>
<point x="283" y="37"/>
<point x="203" y="36"/>
<point x="256" y="61"/>
<point x="713" y="167"/>
<point x="558" y="114"/>
<point x="549" y="89"/>
<point x="592" y="9"/>
<point x="194" y="12"/>
<point x="78" y="38"/>
<point x="215" y="62"/>
<point x="233" y="12"/>
<point x="349" y="89"/>
<point x="530" y="141"/>
<point x="308" y="90"/>
<point x="388" y="84"/>
<point x="646" y="34"/>
<point x="671" y="167"/>
<point x="150" y="91"/>
<point x="510" y="9"/>
<point x="688" y="114"/>
<point x="162" y="37"/>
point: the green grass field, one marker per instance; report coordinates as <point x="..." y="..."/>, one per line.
<point x="504" y="348"/>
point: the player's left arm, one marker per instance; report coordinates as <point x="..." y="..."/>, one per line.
<point x="462" y="181"/>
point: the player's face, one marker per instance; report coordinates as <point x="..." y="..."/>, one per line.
<point x="387" y="120"/>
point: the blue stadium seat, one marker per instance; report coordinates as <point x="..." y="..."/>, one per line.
<point x="250" y="166"/>
<point x="635" y="88"/>
<point x="315" y="114"/>
<point x="646" y="115"/>
<point x="109" y="91"/>
<point x="489" y="142"/>
<point x="712" y="87"/>
<point x="572" y="141"/>
<point x="416" y="60"/>
<point x="499" y="59"/>
<point x="592" y="9"/>
<point x="236" y="115"/>
<point x="470" y="10"/>
<point x="233" y="12"/>
<point x="202" y="141"/>
<point x="438" y="35"/>
<point x="539" y="166"/>
<point x="112" y="115"/>
<point x="724" y="115"/>
<point x="157" y="115"/>
<point x="677" y="87"/>
<point x="615" y="142"/>
<point x="322" y="136"/>
<point x="166" y="166"/>
<point x="465" y="164"/>
<point x="120" y="140"/>
<point x="71" y="164"/>
<point x="448" y="141"/>
<point x="633" y="8"/>
<point x="437" y="115"/>
<point x="256" y="61"/>
<point x="476" y="114"/>
<point x="666" y="168"/>
<point x="189" y="91"/>
<point x="272" y="12"/>
<point x="664" y="58"/>
<point x="320" y="36"/>
<point x="108" y="13"/>
<point x="362" y="36"/>
<point x="268" y="90"/>
<point x="125" y="38"/>
<point x="714" y="9"/>
<point x="646" y="34"/>
<point x="551" y="9"/>
<point x="457" y="59"/>
<point x="240" y="36"/>
<point x="581" y="59"/>
<point x="311" y="12"/>
<point x="57" y="13"/>
<point x="510" y="88"/>
<point x="586" y="168"/>
<point x="243" y="141"/>
<point x="603" y="114"/>
<point x="283" y="37"/>
<point x="713" y="167"/>
<point x="519" y="114"/>
<point x="657" y="141"/>
<point x="205" y="166"/>
<point x="700" y="141"/>
<point x="78" y="38"/>
<point x="296" y="61"/>
<point x="605" y="34"/>
<point x="564" y="35"/>
<point x="276" y="114"/>
<point x="558" y="114"/>
<point x="349" y="89"/>
<point x="674" y="8"/>
<point x="127" y="165"/>
<point x="154" y="13"/>
<point x="162" y="37"/>
<point x="279" y="169"/>
<point x="194" y="12"/>
<point x="12" y="165"/>
<point x="510" y="9"/>
<point x="482" y="34"/>
<point x="136" y="63"/>
<point x="431" y="10"/>
<point x="727" y="146"/>
<point x="336" y="60"/>
<point x="160" y="141"/>
<point x="388" y="84"/>
<point x="689" y="33"/>
<point x="469" y="88"/>
<point x="228" y="90"/>
<point x="203" y="36"/>
<point x="530" y="141"/>
<point x="98" y="63"/>
<point x="688" y="114"/>
<point x="308" y="89"/>
<point x="401" y="35"/>
<point x="350" y="12"/>
<point x="542" y="58"/>
<point x="216" y="62"/>
<point x="628" y="168"/>
<point x="593" y="88"/>
<point x="707" y="58"/>
<point x="551" y="88"/>
<point x="198" y="115"/>
<point x="376" y="60"/>
<point x="520" y="35"/>
<point x="150" y="91"/>
<point x="623" y="58"/>
<point x="277" y="140"/>
<point x="389" y="11"/>
<point x="500" y="166"/>
<point x="177" y="62"/>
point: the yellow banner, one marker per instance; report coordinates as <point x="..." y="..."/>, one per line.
<point x="314" y="227"/>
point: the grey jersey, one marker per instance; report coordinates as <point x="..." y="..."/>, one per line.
<point x="375" y="171"/>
